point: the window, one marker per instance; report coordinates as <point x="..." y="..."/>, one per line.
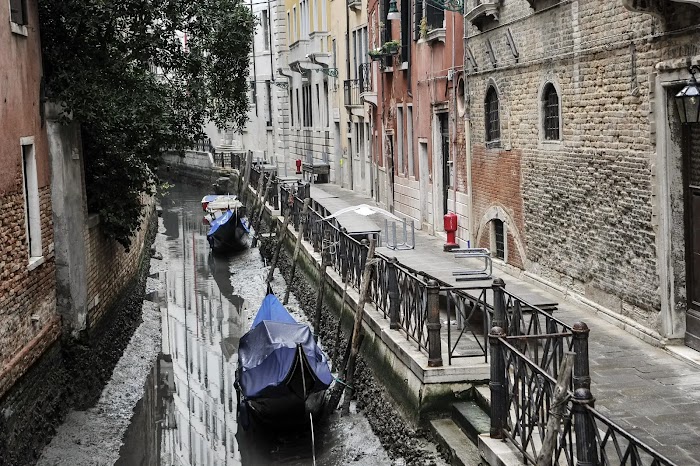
<point x="308" y="110"/>
<point x="268" y="102"/>
<point x="493" y="124"/>
<point x="499" y="239"/>
<point x="318" y="102"/>
<point x="399" y="138"/>
<point x="417" y="18"/>
<point x="298" y="109"/>
<point x="289" y="29"/>
<point x="409" y="139"/>
<point x="18" y="12"/>
<point x="325" y="100"/>
<point x="435" y="16"/>
<point x="291" y="104"/>
<point x="31" y="200"/>
<point x="265" y="20"/>
<point x="405" y="30"/>
<point x="550" y="112"/>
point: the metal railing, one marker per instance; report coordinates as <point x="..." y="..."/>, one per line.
<point x="364" y="71"/>
<point x="351" y="91"/>
<point x="525" y="345"/>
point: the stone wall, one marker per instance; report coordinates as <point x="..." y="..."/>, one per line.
<point x="587" y="221"/>
<point x="109" y="265"/>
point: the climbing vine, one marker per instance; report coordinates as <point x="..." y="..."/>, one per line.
<point x="142" y="77"/>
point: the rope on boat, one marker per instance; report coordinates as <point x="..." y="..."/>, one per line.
<point x="313" y="439"/>
<point x="341" y="382"/>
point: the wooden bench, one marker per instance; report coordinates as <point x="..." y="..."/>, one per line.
<point x="321" y="169"/>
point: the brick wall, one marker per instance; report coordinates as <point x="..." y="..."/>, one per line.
<point x="109" y="265"/>
<point x="28" y="321"/>
<point x="586" y="200"/>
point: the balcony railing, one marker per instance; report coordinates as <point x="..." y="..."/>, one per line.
<point x="365" y="74"/>
<point x="351" y="88"/>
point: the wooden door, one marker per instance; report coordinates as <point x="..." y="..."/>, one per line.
<point x="692" y="166"/>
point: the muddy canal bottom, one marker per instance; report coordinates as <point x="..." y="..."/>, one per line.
<point x="188" y="413"/>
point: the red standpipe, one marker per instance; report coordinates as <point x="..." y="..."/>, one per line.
<point x="450" y="224"/>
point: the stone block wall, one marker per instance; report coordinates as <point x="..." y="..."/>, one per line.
<point x="587" y="221"/>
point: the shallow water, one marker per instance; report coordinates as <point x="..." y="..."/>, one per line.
<point x="188" y="413"/>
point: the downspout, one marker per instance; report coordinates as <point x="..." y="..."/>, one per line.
<point x="454" y="116"/>
<point x="351" y="176"/>
<point x="287" y="128"/>
<point x="255" y="76"/>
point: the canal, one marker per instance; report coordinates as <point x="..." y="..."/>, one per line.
<point x="187" y="415"/>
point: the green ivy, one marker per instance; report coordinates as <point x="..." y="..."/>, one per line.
<point x="100" y="59"/>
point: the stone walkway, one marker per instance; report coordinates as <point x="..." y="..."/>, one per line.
<point x="648" y="391"/>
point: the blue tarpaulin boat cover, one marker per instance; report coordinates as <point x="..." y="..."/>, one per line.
<point x="215" y="224"/>
<point x="267" y="352"/>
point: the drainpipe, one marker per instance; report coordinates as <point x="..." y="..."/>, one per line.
<point x="351" y="184"/>
<point x="287" y="127"/>
<point x="454" y="115"/>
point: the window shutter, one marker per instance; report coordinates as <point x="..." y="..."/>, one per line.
<point x="18" y="11"/>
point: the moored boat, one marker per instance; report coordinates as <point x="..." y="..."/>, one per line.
<point x="282" y="373"/>
<point x="228" y="227"/>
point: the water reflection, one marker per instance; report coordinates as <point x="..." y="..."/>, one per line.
<point x="188" y="413"/>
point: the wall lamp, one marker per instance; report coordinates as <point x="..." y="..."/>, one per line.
<point x="688" y="99"/>
<point x="393" y="14"/>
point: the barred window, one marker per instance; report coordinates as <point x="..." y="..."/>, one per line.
<point x="550" y="107"/>
<point x="493" y="123"/>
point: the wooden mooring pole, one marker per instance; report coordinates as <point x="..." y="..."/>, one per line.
<point x="559" y="400"/>
<point x="278" y="247"/>
<point x="261" y="212"/>
<point x="322" y="278"/>
<point x="357" y="327"/>
<point x="297" y="247"/>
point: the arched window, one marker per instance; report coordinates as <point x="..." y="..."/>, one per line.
<point x="493" y="123"/>
<point x="550" y="111"/>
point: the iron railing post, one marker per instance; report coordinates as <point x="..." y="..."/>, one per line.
<point x="499" y="304"/>
<point x="275" y="193"/>
<point x="433" y="325"/>
<point x="497" y="384"/>
<point x="344" y="254"/>
<point x="394" y="304"/>
<point x="584" y="428"/>
<point x="586" y="449"/>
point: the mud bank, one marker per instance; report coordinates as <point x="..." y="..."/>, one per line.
<point x="70" y="375"/>
<point x="404" y="443"/>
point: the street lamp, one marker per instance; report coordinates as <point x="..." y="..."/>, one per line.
<point x="688" y="99"/>
<point x="393" y="13"/>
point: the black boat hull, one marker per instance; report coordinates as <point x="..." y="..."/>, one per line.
<point x="292" y="402"/>
<point x="229" y="237"/>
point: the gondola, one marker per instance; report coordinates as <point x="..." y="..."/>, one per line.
<point x="228" y="226"/>
<point x="282" y="374"/>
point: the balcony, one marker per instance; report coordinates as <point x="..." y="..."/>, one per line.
<point x="367" y="91"/>
<point x="481" y="12"/>
<point x="351" y="91"/>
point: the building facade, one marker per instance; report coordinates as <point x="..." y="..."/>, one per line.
<point x="29" y="322"/>
<point x="582" y="174"/>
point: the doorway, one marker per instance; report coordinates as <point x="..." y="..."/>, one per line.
<point x="446" y="163"/>
<point x="691" y="156"/>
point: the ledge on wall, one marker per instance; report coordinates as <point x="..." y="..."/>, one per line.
<point x="482" y="13"/>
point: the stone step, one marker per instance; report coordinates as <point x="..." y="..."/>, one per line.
<point x="471" y="419"/>
<point x="463" y="452"/>
<point x="482" y="397"/>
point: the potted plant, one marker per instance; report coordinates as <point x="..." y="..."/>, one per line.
<point x="391" y="47"/>
<point x="376" y="54"/>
